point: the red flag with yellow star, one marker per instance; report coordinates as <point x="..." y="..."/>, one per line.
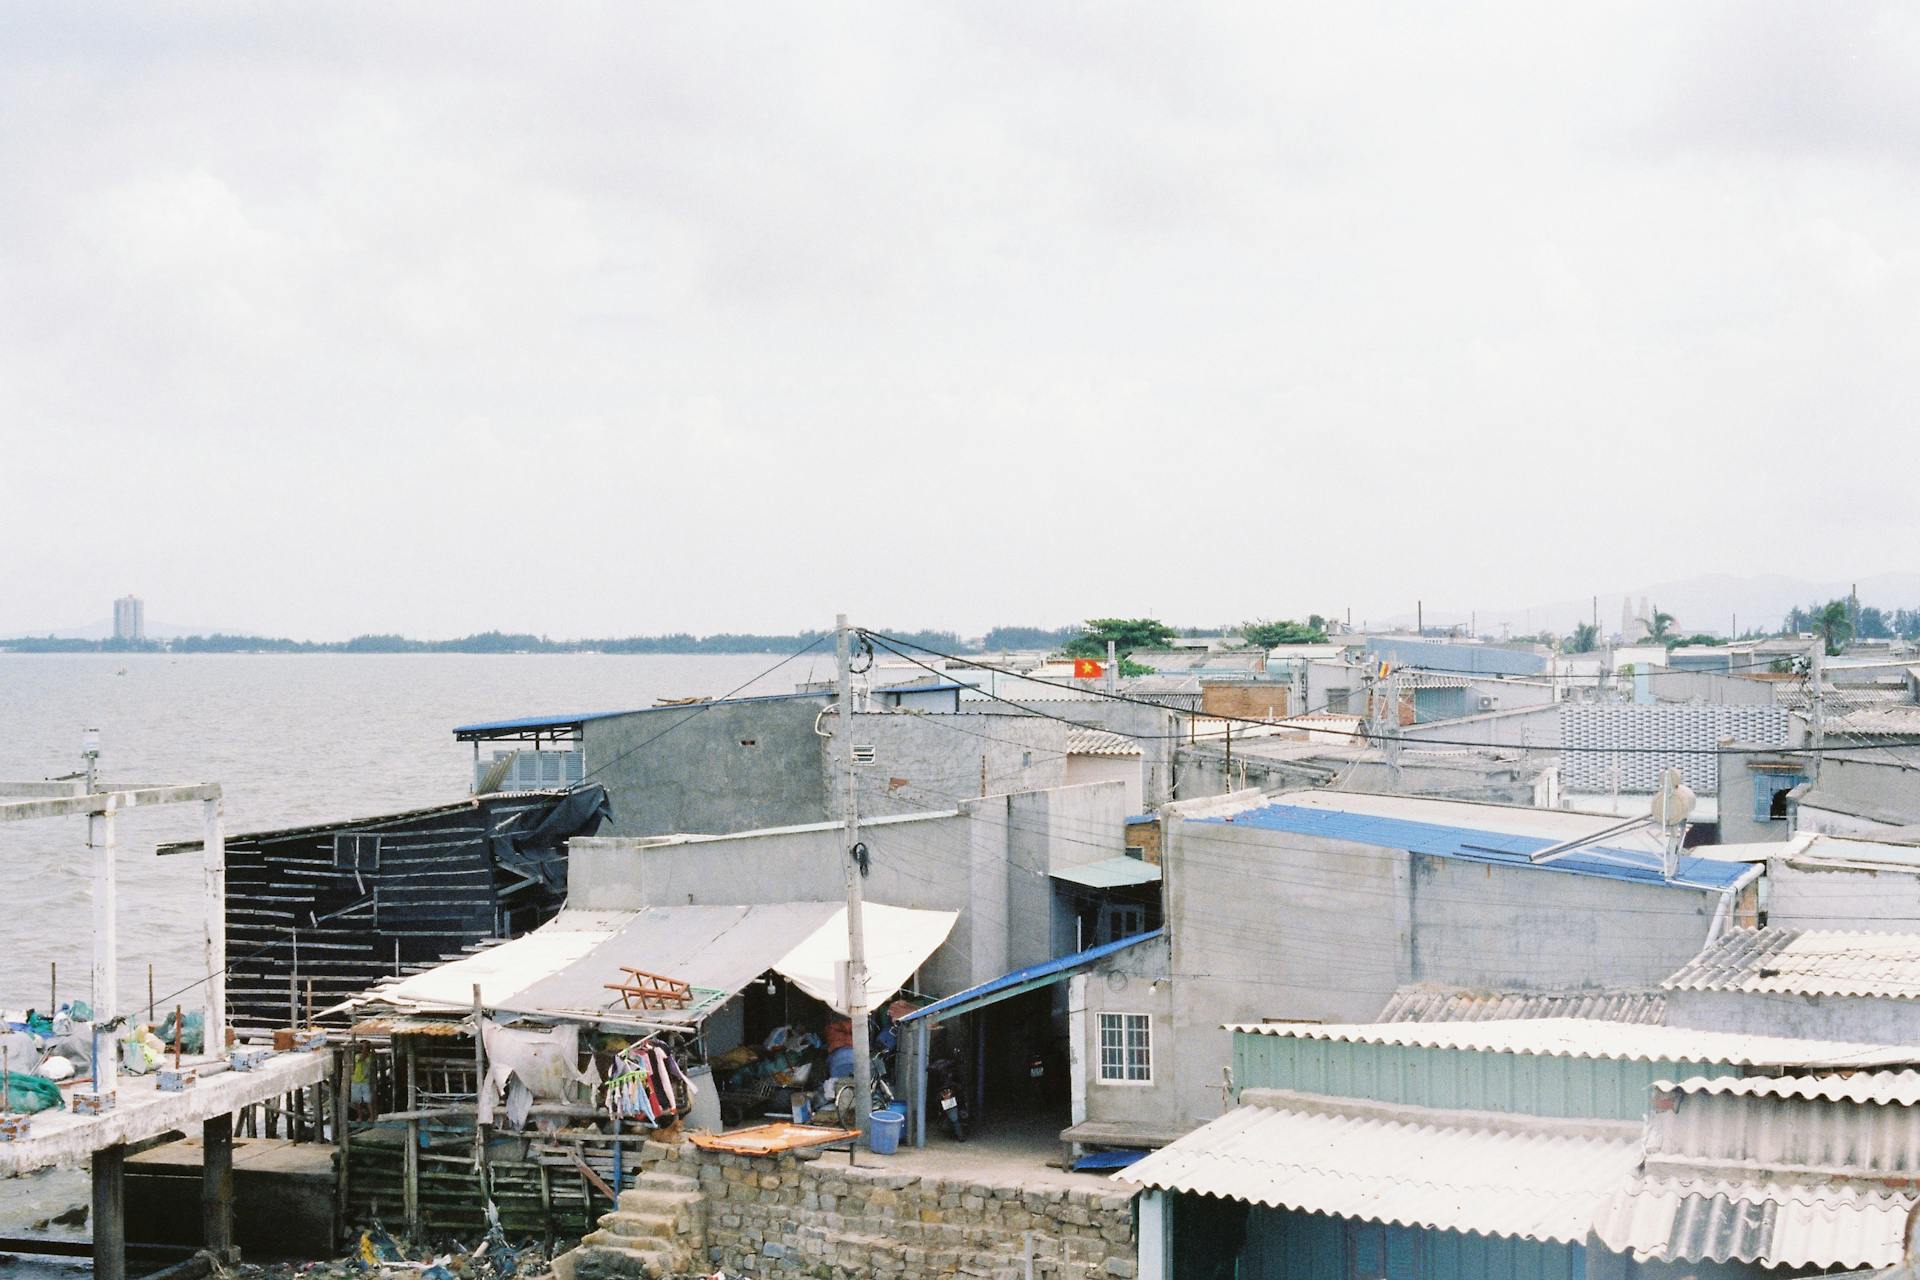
<point x="1087" y="669"/>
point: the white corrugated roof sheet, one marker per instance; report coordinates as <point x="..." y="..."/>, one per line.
<point x="1419" y="1002"/>
<point x="1806" y="962"/>
<point x="1100" y="742"/>
<point x="1449" y="1171"/>
<point x="1769" y="1222"/>
<point x="1588" y="1038"/>
<point x="1882" y="1087"/>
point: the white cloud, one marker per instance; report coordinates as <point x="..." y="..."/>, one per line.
<point x="443" y="318"/>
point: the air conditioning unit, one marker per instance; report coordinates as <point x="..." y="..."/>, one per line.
<point x="1488" y="702"/>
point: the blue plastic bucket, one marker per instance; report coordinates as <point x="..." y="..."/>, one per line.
<point x="884" y="1139"/>
<point x="897" y="1108"/>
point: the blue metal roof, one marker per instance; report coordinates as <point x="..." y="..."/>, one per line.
<point x="560" y="722"/>
<point x="948" y="687"/>
<point x="1043" y="974"/>
<point x="1472" y="845"/>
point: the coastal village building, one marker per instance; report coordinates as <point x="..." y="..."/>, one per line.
<point x="1320" y="905"/>
<point x="1551" y="1146"/>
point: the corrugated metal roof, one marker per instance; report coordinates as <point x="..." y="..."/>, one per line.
<point x="1586" y="1038"/>
<point x="1422" y="1003"/>
<point x="1442" y="1170"/>
<point x="1112" y="873"/>
<point x="1099" y="742"/>
<point x="1772" y="1223"/>
<point x="1473" y="844"/>
<point x="562" y="721"/>
<point x="1902" y="1087"/>
<point x="1806" y="962"/>
<point x="1060" y="967"/>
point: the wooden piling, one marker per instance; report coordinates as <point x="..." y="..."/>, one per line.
<point x="216" y="1186"/>
<point x="110" y="1213"/>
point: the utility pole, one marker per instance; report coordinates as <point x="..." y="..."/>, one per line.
<point x="1816" y="672"/>
<point x="1419" y="617"/>
<point x="1113" y="669"/>
<point x="106" y="952"/>
<point x="856" y="929"/>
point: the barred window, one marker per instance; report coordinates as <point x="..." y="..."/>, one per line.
<point x="1126" y="1048"/>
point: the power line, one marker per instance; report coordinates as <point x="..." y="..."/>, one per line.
<point x="889" y="643"/>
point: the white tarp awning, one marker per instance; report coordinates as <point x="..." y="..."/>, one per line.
<point x="561" y="969"/>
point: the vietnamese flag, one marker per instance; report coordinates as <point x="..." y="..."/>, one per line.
<point x="1087" y="669"/>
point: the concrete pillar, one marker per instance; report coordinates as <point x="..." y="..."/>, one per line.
<point x="216" y="1185"/>
<point x="214" y="903"/>
<point x="1154" y="1236"/>
<point x="110" y="1213"/>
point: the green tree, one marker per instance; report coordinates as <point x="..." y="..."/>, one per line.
<point x="1659" y="626"/>
<point x="1127" y="635"/>
<point x="1833" y="625"/>
<point x="1264" y="634"/>
<point x="1585" y="638"/>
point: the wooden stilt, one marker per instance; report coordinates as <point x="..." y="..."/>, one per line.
<point x="216" y="1186"/>
<point x="110" y="1213"/>
<point x="410" y="1187"/>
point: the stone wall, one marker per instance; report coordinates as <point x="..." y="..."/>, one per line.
<point x="815" y="1216"/>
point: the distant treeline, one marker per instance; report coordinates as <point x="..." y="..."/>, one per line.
<point x="1000" y="638"/>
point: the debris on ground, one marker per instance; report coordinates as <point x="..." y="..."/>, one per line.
<point x="381" y="1254"/>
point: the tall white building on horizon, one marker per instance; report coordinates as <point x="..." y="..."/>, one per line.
<point x="129" y="618"/>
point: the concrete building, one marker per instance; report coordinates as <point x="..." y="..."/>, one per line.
<point x="1319" y="905"/>
<point x="993" y="859"/>
<point x="1498" y="1150"/>
<point x="752" y="763"/>
<point x="129" y="618"/>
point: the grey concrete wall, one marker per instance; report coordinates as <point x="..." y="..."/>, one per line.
<point x="1537" y="726"/>
<point x="726" y="767"/>
<point x="1129" y="771"/>
<point x="1712" y="687"/>
<point x="935" y="761"/>
<point x="1842" y="898"/>
<point x="1275" y="925"/>
<point x="1136" y="980"/>
<point x="1882" y="790"/>
<point x="1872" y="1021"/>
<point x="990" y="860"/>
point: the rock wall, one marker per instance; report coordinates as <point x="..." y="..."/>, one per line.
<point x="815" y="1216"/>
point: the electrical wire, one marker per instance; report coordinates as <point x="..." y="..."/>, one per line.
<point x="888" y="643"/>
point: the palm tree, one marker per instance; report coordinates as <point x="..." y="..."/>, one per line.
<point x="1834" y="625"/>
<point x="1585" y="638"/>
<point x="1659" y="626"/>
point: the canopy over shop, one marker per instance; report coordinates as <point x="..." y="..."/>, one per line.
<point x="916" y="1028"/>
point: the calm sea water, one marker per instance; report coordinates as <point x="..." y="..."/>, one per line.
<point x="291" y="739"/>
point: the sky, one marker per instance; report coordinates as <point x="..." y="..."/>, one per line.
<point x="598" y="319"/>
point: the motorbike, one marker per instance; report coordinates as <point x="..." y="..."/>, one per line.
<point x="947" y="1089"/>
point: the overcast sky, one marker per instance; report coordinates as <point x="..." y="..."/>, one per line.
<point x="319" y="320"/>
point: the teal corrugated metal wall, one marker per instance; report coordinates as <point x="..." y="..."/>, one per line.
<point x="1528" y="1084"/>
<point x="1282" y="1245"/>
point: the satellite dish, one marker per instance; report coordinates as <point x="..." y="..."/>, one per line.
<point x="1673" y="803"/>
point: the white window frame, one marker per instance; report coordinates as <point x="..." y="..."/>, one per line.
<point x="1123" y="1023"/>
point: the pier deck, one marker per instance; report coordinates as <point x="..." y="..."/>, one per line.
<point x="63" y="1138"/>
